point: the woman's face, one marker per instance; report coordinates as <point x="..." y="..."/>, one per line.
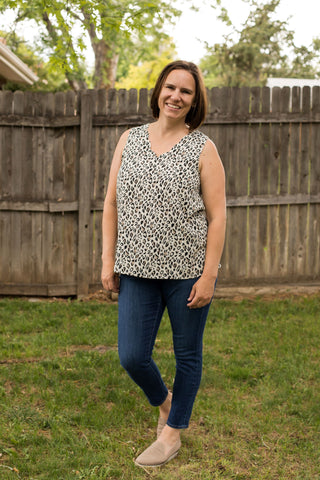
<point x="177" y="94"/>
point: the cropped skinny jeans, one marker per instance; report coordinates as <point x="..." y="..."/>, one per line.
<point x="141" y="306"/>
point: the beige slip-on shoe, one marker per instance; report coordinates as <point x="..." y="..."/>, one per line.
<point x="155" y="456"/>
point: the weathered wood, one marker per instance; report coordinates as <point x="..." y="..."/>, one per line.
<point x="54" y="175"/>
<point x="265" y="200"/>
<point x="273" y="225"/>
<point x="6" y="104"/>
<point x="38" y="121"/>
<point x="83" y="273"/>
<point x="143" y="108"/>
<point x="242" y="165"/>
<point x="134" y="119"/>
<point x="132" y="101"/>
<point x="263" y="185"/>
<point x="39" y="289"/>
<point x="253" y="185"/>
<point x="313" y="248"/>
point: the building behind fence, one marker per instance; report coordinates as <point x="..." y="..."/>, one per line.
<point x="55" y="155"/>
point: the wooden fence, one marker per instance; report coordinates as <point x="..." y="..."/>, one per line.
<point x="55" y="154"/>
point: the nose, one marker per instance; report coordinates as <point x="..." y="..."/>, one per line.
<point x="175" y="95"/>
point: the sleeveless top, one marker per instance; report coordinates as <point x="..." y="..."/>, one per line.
<point x="162" y="226"/>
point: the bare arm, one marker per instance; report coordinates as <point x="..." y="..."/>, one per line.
<point x="109" y="279"/>
<point x="213" y="192"/>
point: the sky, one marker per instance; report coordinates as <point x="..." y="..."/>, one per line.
<point x="192" y="29"/>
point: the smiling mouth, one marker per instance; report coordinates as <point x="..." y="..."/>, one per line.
<point x="176" y="107"/>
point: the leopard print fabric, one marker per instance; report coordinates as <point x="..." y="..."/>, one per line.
<point x="162" y="226"/>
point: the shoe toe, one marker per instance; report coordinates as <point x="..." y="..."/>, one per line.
<point x="156" y="455"/>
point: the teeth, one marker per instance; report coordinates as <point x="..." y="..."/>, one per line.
<point x="173" y="106"/>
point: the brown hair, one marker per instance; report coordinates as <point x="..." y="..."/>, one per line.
<point x="197" y="113"/>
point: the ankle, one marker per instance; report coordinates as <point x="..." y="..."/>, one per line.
<point x="169" y="435"/>
<point x="165" y="407"/>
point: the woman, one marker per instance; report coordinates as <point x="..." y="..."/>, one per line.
<point x="163" y="234"/>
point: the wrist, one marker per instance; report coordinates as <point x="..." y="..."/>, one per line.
<point x="107" y="260"/>
<point x="210" y="276"/>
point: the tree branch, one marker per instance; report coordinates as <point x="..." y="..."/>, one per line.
<point x="50" y="28"/>
<point x="90" y="26"/>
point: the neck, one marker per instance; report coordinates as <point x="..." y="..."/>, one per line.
<point x="169" y="126"/>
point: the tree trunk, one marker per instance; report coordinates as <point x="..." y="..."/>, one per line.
<point x="76" y="85"/>
<point x="106" y="63"/>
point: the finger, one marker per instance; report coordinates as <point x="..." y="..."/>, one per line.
<point x="194" y="303"/>
<point x="108" y="283"/>
<point x="192" y="294"/>
<point x="104" y="283"/>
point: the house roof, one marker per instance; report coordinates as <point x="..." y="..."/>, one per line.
<point x="292" y="82"/>
<point x="13" y="69"/>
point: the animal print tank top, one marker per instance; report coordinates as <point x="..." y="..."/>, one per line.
<point x="162" y="226"/>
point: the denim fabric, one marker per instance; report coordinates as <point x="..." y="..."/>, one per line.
<point x="141" y="306"/>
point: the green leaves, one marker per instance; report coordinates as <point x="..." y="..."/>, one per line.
<point x="263" y="48"/>
<point x="108" y="24"/>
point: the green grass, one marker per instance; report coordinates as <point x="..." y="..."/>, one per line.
<point x="69" y="412"/>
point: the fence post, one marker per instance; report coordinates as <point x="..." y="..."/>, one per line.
<point x="84" y="196"/>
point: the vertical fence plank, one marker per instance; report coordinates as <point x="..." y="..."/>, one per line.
<point x="253" y="174"/>
<point x="219" y="99"/>
<point x="71" y="177"/>
<point x="6" y="106"/>
<point x="294" y="187"/>
<point x="84" y="196"/>
<point x="48" y="108"/>
<point x="285" y="106"/>
<point x="38" y="218"/>
<point x="273" y="218"/>
<point x="143" y="101"/>
<point x="101" y="177"/>
<point x="132" y="101"/>
<point x="16" y="188"/>
<point x="25" y="163"/>
<point x="110" y="134"/>
<point x="58" y="188"/>
<point x="304" y="169"/>
<point x="103" y="162"/>
<point x="264" y="181"/>
<point x="230" y="105"/>
<point x="241" y="167"/>
<point x="71" y="151"/>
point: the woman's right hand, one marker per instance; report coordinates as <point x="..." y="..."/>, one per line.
<point x="110" y="279"/>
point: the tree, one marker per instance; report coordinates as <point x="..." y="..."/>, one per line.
<point x="49" y="79"/>
<point x="143" y="74"/>
<point x="108" y="24"/>
<point x="263" y="48"/>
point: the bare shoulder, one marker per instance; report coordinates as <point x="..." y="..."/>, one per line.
<point x="117" y="156"/>
<point x="210" y="156"/>
<point x="123" y="139"/>
<point x="120" y="146"/>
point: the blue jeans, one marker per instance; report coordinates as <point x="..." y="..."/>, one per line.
<point x="141" y="306"/>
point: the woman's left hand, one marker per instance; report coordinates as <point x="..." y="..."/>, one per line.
<point x="201" y="292"/>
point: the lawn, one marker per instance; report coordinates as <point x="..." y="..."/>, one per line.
<point x="69" y="411"/>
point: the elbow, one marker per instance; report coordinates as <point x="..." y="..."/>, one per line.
<point x="109" y="204"/>
<point x="218" y="219"/>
